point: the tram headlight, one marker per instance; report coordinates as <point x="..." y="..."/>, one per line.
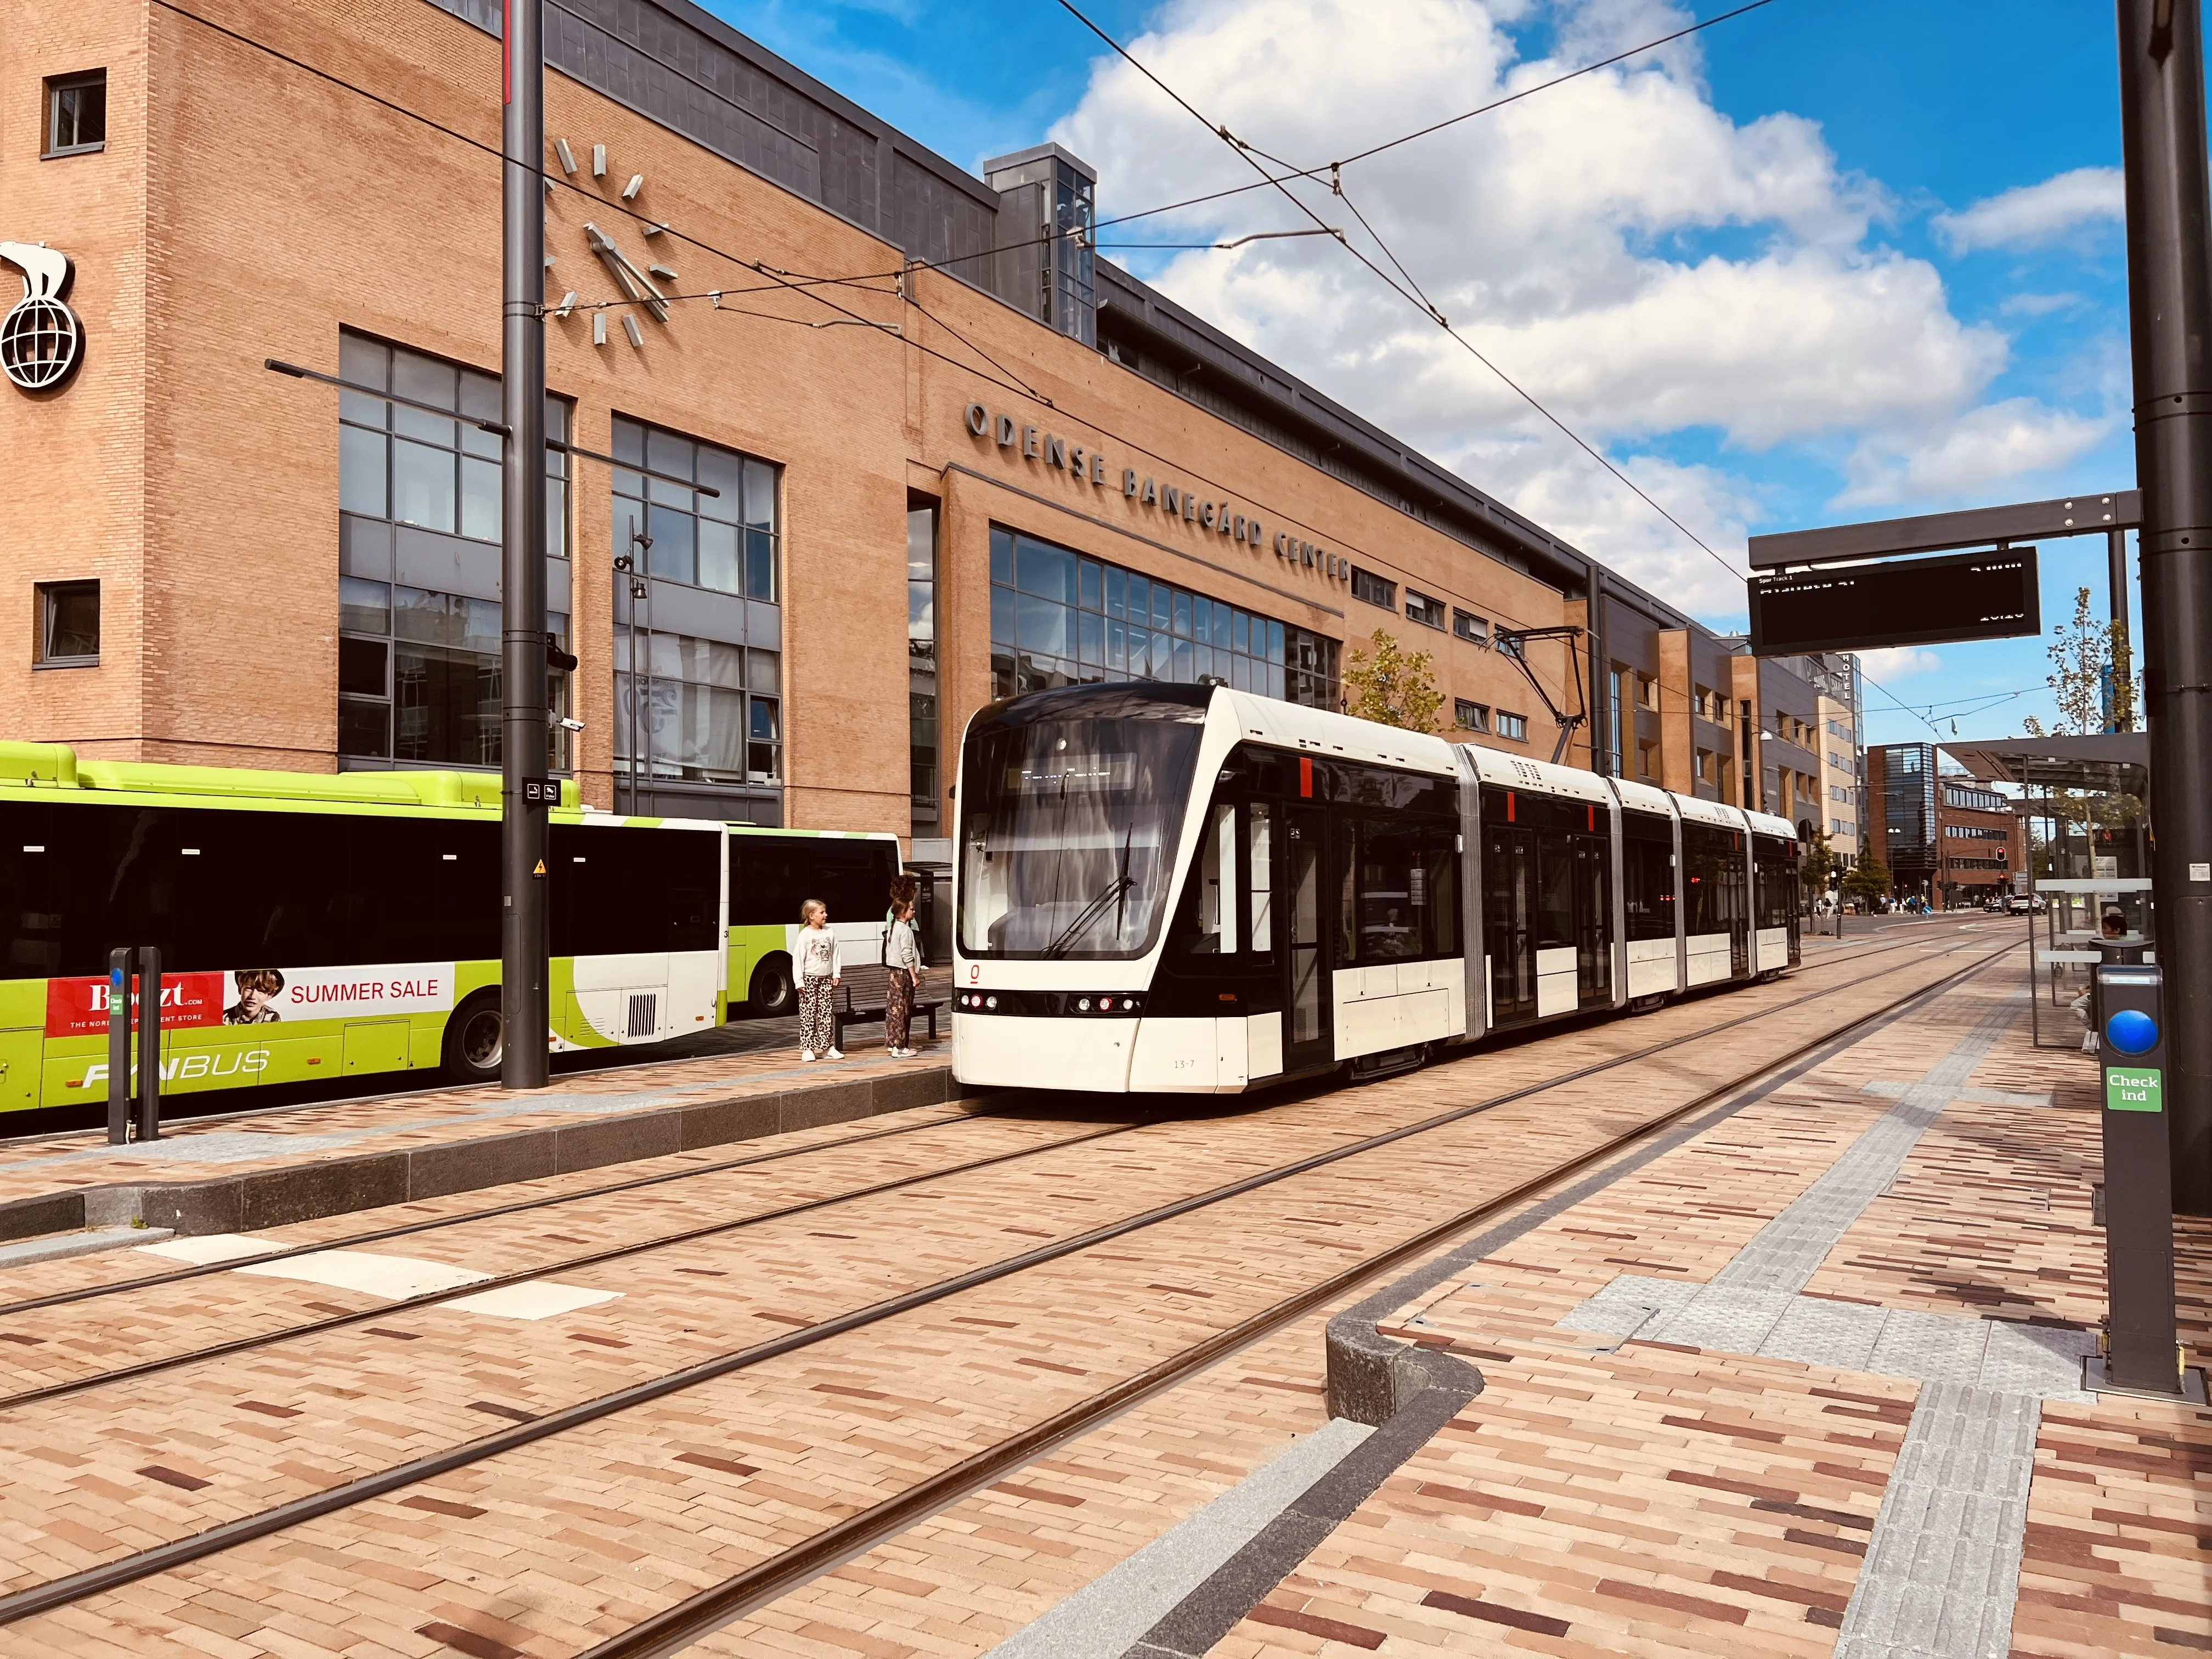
<point x="1083" y="1004"/>
<point x="990" y="1002"/>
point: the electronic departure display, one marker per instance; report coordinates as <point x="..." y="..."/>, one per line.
<point x="1961" y="596"/>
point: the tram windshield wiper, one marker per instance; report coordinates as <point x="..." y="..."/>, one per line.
<point x="1114" y="890"/>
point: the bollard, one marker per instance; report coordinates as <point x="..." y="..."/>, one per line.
<point x="149" y="1042"/>
<point x="2142" y="1354"/>
<point x="118" y="1045"/>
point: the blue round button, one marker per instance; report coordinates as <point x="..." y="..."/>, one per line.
<point x="2131" y="1032"/>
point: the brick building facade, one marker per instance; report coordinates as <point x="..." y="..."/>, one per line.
<point x="1942" y="834"/>
<point x="951" y="453"/>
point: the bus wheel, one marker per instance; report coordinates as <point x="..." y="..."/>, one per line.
<point x="771" y="986"/>
<point x="475" y="1040"/>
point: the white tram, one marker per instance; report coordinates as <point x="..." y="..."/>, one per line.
<point x="1190" y="889"/>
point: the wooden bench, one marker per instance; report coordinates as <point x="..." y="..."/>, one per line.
<point x="863" y="996"/>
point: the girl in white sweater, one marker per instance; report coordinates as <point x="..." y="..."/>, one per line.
<point x="818" y="967"/>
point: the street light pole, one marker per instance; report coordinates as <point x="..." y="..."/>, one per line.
<point x="523" y="931"/>
<point x="2170" y="323"/>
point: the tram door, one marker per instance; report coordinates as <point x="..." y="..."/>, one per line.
<point x="1509" y="873"/>
<point x="1305" y="955"/>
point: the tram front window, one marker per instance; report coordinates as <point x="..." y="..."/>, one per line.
<point x="1068" y="834"/>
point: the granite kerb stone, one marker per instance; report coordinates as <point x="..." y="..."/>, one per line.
<point x="334" y="1186"/>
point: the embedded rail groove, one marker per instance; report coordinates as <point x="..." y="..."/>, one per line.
<point x="686" y="1620"/>
<point x="596" y="1258"/>
<point x="93" y="1292"/>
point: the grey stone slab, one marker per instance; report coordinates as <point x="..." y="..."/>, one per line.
<point x="1108" y="1615"/>
<point x="1721" y="1316"/>
<point x="61" y="1246"/>
<point x="833" y="1103"/>
<point x="1934" y="1347"/>
<point x="464" y="1166"/>
<point x="717" y="1123"/>
<point x="49" y="1213"/>
<point x="617" y="1140"/>
<point x="1942" y="1567"/>
<point x="189" y="1208"/>
<point x="2034" y="1360"/>
<point x="303" y="1192"/>
<point x="902" y="1091"/>
<point x="1629" y="1303"/>
<point x="1839" y="1334"/>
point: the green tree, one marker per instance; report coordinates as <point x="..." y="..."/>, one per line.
<point x="1393" y="686"/>
<point x="2086" y="657"/>
<point x="2090" y="661"/>
<point x="1868" y="879"/>
<point x="1818" y="861"/>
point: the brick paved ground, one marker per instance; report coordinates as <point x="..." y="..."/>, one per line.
<point x="1648" y="1500"/>
<point x="544" y="1549"/>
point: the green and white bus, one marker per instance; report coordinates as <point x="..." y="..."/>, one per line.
<point x="772" y="872"/>
<point x="318" y="927"/>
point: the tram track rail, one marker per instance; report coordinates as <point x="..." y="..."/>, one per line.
<point x="686" y="1620"/>
<point x="207" y="1351"/>
<point x="607" y="1190"/>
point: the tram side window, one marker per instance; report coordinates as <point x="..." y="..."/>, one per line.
<point x="1260" y="867"/>
<point x="1406" y="899"/>
<point x="1715" y="888"/>
<point x="1555" y="892"/>
<point x="1212" y="930"/>
<point x="1648" y="877"/>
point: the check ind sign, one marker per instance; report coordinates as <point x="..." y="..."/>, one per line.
<point x="2131" y="1089"/>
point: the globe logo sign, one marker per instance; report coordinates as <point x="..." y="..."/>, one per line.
<point x="41" y="342"/>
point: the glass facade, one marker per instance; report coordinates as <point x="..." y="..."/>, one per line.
<point x="419" y="671"/>
<point x="1058" y="618"/>
<point x="726" y="542"/>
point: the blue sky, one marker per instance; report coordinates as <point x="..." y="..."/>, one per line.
<point x="1923" y="110"/>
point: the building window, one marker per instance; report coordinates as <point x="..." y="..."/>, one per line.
<point x="434" y="471"/>
<point x="1420" y="608"/>
<point x="1647" y="758"/>
<point x="69" y="625"/>
<point x="921" y="666"/>
<point x="419" y="671"/>
<point x="76" y="113"/>
<point x="1470" y="716"/>
<point x="1975" y="832"/>
<point x="1060" y="619"/>
<point x="1614" y="752"/>
<point x="1515" y="726"/>
<point x="1647" y="691"/>
<point x="725" y="541"/>
<point x="420" y="678"/>
<point x="710" y="713"/>
<point x="1372" y="588"/>
<point x="1471" y="627"/>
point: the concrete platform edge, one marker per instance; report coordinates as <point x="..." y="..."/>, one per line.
<point x="273" y="1198"/>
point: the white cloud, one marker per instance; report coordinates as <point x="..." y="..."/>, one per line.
<point x="1998" y="440"/>
<point x="2039" y="305"/>
<point x="2030" y="215"/>
<point x="1898" y="662"/>
<point x="1572" y="238"/>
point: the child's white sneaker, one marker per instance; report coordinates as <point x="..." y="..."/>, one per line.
<point x="805" y="1055"/>
<point x="834" y="1053"/>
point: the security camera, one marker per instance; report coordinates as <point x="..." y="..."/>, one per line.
<point x="568" y="725"/>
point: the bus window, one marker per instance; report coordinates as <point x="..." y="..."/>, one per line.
<point x="853" y="878"/>
<point x="767" y="874"/>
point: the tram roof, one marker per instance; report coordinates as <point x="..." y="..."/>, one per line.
<point x="1317" y="731"/>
